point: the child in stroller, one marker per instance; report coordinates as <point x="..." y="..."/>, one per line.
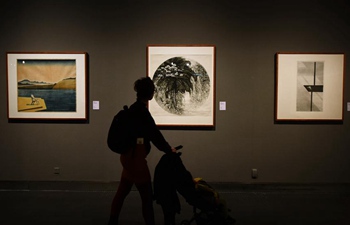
<point x="170" y="177"/>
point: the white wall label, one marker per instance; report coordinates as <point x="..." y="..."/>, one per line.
<point x="95" y="105"/>
<point x="222" y="105"/>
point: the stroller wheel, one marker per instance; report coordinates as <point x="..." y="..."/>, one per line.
<point x="185" y="222"/>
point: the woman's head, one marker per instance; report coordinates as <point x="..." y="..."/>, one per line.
<point x="144" y="88"/>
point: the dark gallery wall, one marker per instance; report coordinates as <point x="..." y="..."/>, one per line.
<point x="115" y="34"/>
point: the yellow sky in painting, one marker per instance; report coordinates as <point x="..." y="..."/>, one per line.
<point x="50" y="72"/>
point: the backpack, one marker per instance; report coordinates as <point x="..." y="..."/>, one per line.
<point x="120" y="135"/>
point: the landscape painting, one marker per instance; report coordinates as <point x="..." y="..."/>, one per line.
<point x="184" y="77"/>
<point x="47" y="86"/>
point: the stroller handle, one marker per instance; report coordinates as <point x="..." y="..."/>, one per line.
<point x="178" y="147"/>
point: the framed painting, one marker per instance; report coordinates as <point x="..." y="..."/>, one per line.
<point x="309" y="87"/>
<point x="47" y="86"/>
<point x="184" y="77"/>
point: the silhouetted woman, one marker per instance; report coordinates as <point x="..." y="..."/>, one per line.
<point x="135" y="168"/>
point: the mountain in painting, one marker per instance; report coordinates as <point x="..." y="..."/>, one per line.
<point x="67" y="83"/>
<point x="28" y="84"/>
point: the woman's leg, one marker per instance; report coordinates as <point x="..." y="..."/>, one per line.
<point x="145" y="190"/>
<point x="124" y="188"/>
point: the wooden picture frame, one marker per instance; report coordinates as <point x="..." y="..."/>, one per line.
<point x="309" y="87"/>
<point x="47" y="86"/>
<point x="184" y="76"/>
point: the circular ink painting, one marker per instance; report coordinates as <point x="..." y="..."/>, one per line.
<point x="182" y="85"/>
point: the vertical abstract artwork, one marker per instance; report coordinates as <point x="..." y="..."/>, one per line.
<point x="46" y="85"/>
<point x="309" y="87"/>
<point x="184" y="77"/>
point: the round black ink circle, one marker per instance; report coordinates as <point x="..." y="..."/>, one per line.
<point x="182" y="85"/>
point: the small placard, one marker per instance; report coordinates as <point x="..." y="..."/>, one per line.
<point x="222" y="105"/>
<point x="348" y="106"/>
<point x="96" y="105"/>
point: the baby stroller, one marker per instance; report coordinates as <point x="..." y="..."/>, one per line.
<point x="218" y="215"/>
<point x="171" y="177"/>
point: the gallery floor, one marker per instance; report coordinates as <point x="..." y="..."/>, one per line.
<point x="65" y="203"/>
